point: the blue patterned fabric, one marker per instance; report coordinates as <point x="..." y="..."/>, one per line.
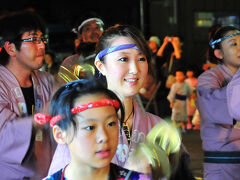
<point x="116" y="173"/>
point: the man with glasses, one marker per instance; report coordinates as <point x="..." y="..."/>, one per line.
<point x="25" y="149"/>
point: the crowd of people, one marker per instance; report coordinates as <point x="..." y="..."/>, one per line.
<point x="86" y="117"/>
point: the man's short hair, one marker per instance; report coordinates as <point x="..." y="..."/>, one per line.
<point x="15" y="25"/>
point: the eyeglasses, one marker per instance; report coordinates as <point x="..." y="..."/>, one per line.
<point x="36" y="40"/>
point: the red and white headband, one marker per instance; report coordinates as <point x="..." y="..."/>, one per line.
<point x="42" y="118"/>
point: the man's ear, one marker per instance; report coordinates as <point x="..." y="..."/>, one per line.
<point x="59" y="135"/>
<point x="100" y="66"/>
<point x="10" y="48"/>
<point x="218" y="53"/>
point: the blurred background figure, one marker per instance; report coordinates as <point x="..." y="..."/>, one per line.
<point x="148" y="92"/>
<point x="154" y="44"/>
<point x="196" y="119"/>
<point x="179" y="92"/>
<point x="88" y="30"/>
<point x="50" y="63"/>
<point x="169" y="56"/>
<point x="191" y="107"/>
<point x="171" y="53"/>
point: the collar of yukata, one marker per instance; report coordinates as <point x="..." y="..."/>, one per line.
<point x="109" y="50"/>
<point x="212" y="43"/>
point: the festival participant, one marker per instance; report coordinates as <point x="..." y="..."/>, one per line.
<point x="25" y="149"/>
<point x="219" y="132"/>
<point x="80" y="65"/>
<point x="84" y="117"/>
<point x="178" y="95"/>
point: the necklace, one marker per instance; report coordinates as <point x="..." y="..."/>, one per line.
<point x="126" y="128"/>
<point x="125" y="122"/>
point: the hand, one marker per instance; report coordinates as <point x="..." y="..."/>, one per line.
<point x="177" y="47"/>
<point x="43" y="110"/>
<point x="205" y="67"/>
<point x="166" y="40"/>
<point x="176" y="41"/>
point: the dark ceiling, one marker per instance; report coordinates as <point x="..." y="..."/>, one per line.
<point x="61" y="16"/>
<point x="67" y="12"/>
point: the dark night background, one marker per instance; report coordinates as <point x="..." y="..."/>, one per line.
<point x="153" y="17"/>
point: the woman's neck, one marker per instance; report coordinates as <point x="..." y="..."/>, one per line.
<point x="232" y="68"/>
<point x="75" y="171"/>
<point x="128" y="107"/>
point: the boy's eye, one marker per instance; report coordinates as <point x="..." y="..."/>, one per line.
<point x="113" y="123"/>
<point x="89" y="128"/>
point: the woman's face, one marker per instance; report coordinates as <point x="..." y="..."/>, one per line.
<point x="126" y="69"/>
<point x="231" y="51"/>
<point x="96" y="138"/>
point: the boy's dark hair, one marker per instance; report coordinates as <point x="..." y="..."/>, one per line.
<point x="13" y="26"/>
<point x="63" y="100"/>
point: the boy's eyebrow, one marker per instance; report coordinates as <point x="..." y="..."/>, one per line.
<point x="92" y="120"/>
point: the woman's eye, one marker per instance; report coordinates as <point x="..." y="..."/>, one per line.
<point x="142" y="59"/>
<point x="89" y="128"/>
<point x="123" y="59"/>
<point x="233" y="43"/>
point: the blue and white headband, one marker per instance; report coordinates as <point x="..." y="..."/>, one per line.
<point x="106" y="51"/>
<point x="212" y="43"/>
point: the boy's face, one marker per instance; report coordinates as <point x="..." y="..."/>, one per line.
<point x="179" y="76"/>
<point x="189" y="74"/>
<point x="96" y="138"/>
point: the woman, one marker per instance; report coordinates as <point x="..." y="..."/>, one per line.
<point x="220" y="137"/>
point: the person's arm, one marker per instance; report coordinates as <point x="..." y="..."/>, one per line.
<point x="177" y="47"/>
<point x="212" y="100"/>
<point x="171" y="95"/>
<point x="233" y="96"/>
<point x="162" y="48"/>
<point x="15" y="132"/>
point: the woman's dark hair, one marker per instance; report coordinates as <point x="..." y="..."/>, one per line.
<point x="63" y="100"/>
<point x="13" y="26"/>
<point x="219" y="33"/>
<point x="110" y="34"/>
